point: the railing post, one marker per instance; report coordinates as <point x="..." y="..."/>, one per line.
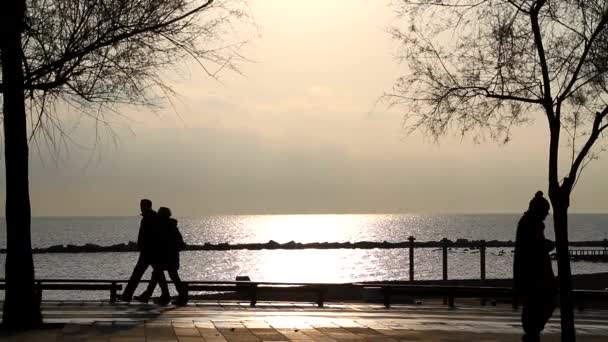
<point x="386" y="294"/>
<point x="482" y="261"/>
<point x="113" y="292"/>
<point x="445" y="258"/>
<point x="482" y="267"/>
<point x="253" y="294"/>
<point x="411" y="239"/>
<point x="321" y="295"/>
<point x="445" y="264"/>
<point x="451" y="299"/>
<point x="39" y="292"/>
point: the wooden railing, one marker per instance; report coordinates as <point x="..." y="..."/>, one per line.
<point x="318" y="291"/>
<point x="75" y="284"/>
<point x="251" y="290"/>
<point x="452" y="292"/>
<point x="482" y="246"/>
<point x="588" y="252"/>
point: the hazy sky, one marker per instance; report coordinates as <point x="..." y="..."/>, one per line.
<point x="299" y="132"/>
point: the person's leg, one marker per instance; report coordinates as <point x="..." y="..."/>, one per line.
<point x="530" y="318"/>
<point x="548" y="306"/>
<point x="144" y="297"/>
<point x="138" y="272"/>
<point x="182" y="290"/>
<point x="165" y="296"/>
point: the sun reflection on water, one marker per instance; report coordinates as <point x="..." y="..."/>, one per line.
<point x="303" y="266"/>
<point x="301" y="228"/>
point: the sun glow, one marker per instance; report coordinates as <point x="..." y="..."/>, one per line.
<point x="301" y="228"/>
<point x="301" y="266"/>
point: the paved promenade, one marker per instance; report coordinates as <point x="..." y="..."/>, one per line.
<point x="232" y="321"/>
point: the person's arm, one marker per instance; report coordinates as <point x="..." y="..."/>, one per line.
<point x="177" y="235"/>
<point x="549" y="245"/>
<point x="140" y="235"/>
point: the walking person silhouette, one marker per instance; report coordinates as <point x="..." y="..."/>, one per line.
<point x="145" y="243"/>
<point x="165" y="257"/>
<point x="534" y="280"/>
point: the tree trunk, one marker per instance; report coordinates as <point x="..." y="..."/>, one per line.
<point x="560" y="222"/>
<point x="21" y="304"/>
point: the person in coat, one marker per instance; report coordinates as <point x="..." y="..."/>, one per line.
<point x="534" y="280"/>
<point x="168" y="243"/>
<point x="145" y="244"/>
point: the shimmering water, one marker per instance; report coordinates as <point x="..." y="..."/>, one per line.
<point x="310" y="265"/>
<point x="47" y="231"/>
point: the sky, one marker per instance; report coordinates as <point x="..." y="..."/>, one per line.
<point x="300" y="131"/>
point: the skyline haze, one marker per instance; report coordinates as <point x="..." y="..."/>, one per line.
<point x="300" y="131"/>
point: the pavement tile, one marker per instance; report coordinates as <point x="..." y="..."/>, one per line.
<point x="165" y="332"/>
<point x="204" y="324"/>
<point x="238" y="335"/>
<point x="288" y="322"/>
<point x="182" y="332"/>
<point x="127" y="339"/>
<point x="293" y="334"/>
<point x="227" y="324"/>
<point x="207" y="331"/>
<point x="190" y="339"/>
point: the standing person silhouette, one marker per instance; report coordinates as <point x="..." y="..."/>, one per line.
<point x="533" y="276"/>
<point x="145" y="243"/>
<point x="166" y="257"/>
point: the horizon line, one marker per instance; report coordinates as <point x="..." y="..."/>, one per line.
<point x="312" y="214"/>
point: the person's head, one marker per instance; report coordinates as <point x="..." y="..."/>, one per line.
<point x="145" y="205"/>
<point x="539" y="206"/>
<point x="164" y="212"/>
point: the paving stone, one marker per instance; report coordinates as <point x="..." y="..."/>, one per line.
<point x="203" y="324"/>
<point x="190" y="339"/>
<point x="127" y="339"/>
<point x="179" y="332"/>
<point x="302" y="322"/>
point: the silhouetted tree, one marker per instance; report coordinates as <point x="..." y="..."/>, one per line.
<point x="90" y="54"/>
<point x="483" y="66"/>
<point x="21" y="307"/>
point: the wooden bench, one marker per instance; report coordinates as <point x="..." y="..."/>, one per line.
<point x="74" y="285"/>
<point x="319" y="291"/>
<point x="581" y="296"/>
<point x="449" y="292"/>
<point x="253" y="290"/>
<point x="452" y="292"/>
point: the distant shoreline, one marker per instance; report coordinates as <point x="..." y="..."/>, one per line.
<point x="292" y="245"/>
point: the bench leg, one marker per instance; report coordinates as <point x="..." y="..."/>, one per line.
<point x="253" y="295"/>
<point x="38" y="290"/>
<point x="321" y="298"/>
<point x="113" y="293"/>
<point x="451" y="302"/>
<point x="387" y="298"/>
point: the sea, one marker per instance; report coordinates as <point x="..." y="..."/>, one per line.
<point x="307" y="265"/>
